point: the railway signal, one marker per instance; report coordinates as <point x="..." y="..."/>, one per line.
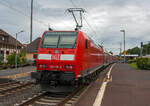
<point x="141" y="50"/>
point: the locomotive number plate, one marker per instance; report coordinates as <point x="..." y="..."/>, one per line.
<point x="55" y="57"/>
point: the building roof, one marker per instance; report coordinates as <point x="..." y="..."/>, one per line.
<point x="33" y="46"/>
<point x="10" y="40"/>
<point x="2" y="32"/>
<point x="131" y="55"/>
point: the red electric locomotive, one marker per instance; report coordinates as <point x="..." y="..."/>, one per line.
<point x="67" y="57"/>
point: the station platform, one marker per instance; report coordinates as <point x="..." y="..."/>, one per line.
<point x="20" y="74"/>
<point x="13" y="71"/>
<point x="129" y="87"/>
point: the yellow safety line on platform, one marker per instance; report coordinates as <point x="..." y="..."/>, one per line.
<point x="111" y="78"/>
<point x="20" y="75"/>
<point x="101" y="92"/>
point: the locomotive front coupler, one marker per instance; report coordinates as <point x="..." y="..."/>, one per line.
<point x="53" y="83"/>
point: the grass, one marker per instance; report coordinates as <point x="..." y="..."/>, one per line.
<point x="133" y="65"/>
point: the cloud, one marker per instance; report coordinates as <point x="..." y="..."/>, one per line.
<point x="106" y="18"/>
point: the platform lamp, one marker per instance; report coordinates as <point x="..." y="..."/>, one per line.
<point x="16" y="47"/>
<point x="124" y="52"/>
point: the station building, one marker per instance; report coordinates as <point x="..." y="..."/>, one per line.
<point x="32" y="48"/>
<point x="8" y="45"/>
<point x="130" y="56"/>
<point x="147" y="56"/>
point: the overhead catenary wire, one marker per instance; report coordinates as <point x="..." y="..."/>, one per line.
<point x="83" y="17"/>
<point x="73" y="3"/>
<point x="89" y="26"/>
<point x="12" y="8"/>
<point x="4" y="3"/>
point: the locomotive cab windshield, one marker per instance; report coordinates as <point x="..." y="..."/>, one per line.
<point x="59" y="40"/>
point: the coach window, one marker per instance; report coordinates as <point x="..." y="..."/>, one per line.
<point x="86" y="44"/>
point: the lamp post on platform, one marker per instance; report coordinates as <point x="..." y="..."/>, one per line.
<point x="124" y="52"/>
<point x="31" y="21"/>
<point x="16" y="47"/>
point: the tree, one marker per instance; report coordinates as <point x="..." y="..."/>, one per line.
<point x="146" y="49"/>
<point x="134" y="50"/>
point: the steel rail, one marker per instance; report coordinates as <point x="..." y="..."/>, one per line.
<point x="32" y="100"/>
<point x="69" y="97"/>
<point x="74" y="96"/>
<point x="42" y="95"/>
<point x="13" y="88"/>
<point x="9" y="83"/>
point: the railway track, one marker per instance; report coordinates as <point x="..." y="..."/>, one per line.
<point x="17" y="92"/>
<point x="8" y="84"/>
<point x="13" y="87"/>
<point x="54" y="99"/>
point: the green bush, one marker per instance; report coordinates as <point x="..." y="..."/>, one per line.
<point x="21" y="58"/>
<point x="4" y="66"/>
<point x="143" y="63"/>
<point x="132" y="61"/>
<point x="11" y="59"/>
<point x="147" y="66"/>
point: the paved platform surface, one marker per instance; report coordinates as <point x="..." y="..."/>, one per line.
<point x="129" y="87"/>
<point x="13" y="71"/>
<point x="89" y="97"/>
<point x="20" y="74"/>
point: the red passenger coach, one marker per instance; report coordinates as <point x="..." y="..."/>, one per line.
<point x="67" y="57"/>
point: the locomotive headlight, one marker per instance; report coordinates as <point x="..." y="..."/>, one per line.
<point x="67" y="57"/>
<point x="44" y="56"/>
<point x="69" y="66"/>
<point x="42" y="65"/>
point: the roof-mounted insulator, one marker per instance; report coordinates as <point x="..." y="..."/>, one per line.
<point x="50" y="29"/>
<point x="76" y="29"/>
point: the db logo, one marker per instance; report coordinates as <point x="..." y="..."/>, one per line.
<point x="55" y="57"/>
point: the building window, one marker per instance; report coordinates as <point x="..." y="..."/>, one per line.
<point x="2" y="54"/>
<point x="3" y="38"/>
<point x="7" y="53"/>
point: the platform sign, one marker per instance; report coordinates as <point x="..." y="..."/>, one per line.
<point x="124" y="52"/>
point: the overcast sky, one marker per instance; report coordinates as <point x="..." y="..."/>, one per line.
<point x="106" y="19"/>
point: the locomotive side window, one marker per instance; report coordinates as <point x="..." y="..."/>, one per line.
<point x="86" y="44"/>
<point x="59" y="40"/>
